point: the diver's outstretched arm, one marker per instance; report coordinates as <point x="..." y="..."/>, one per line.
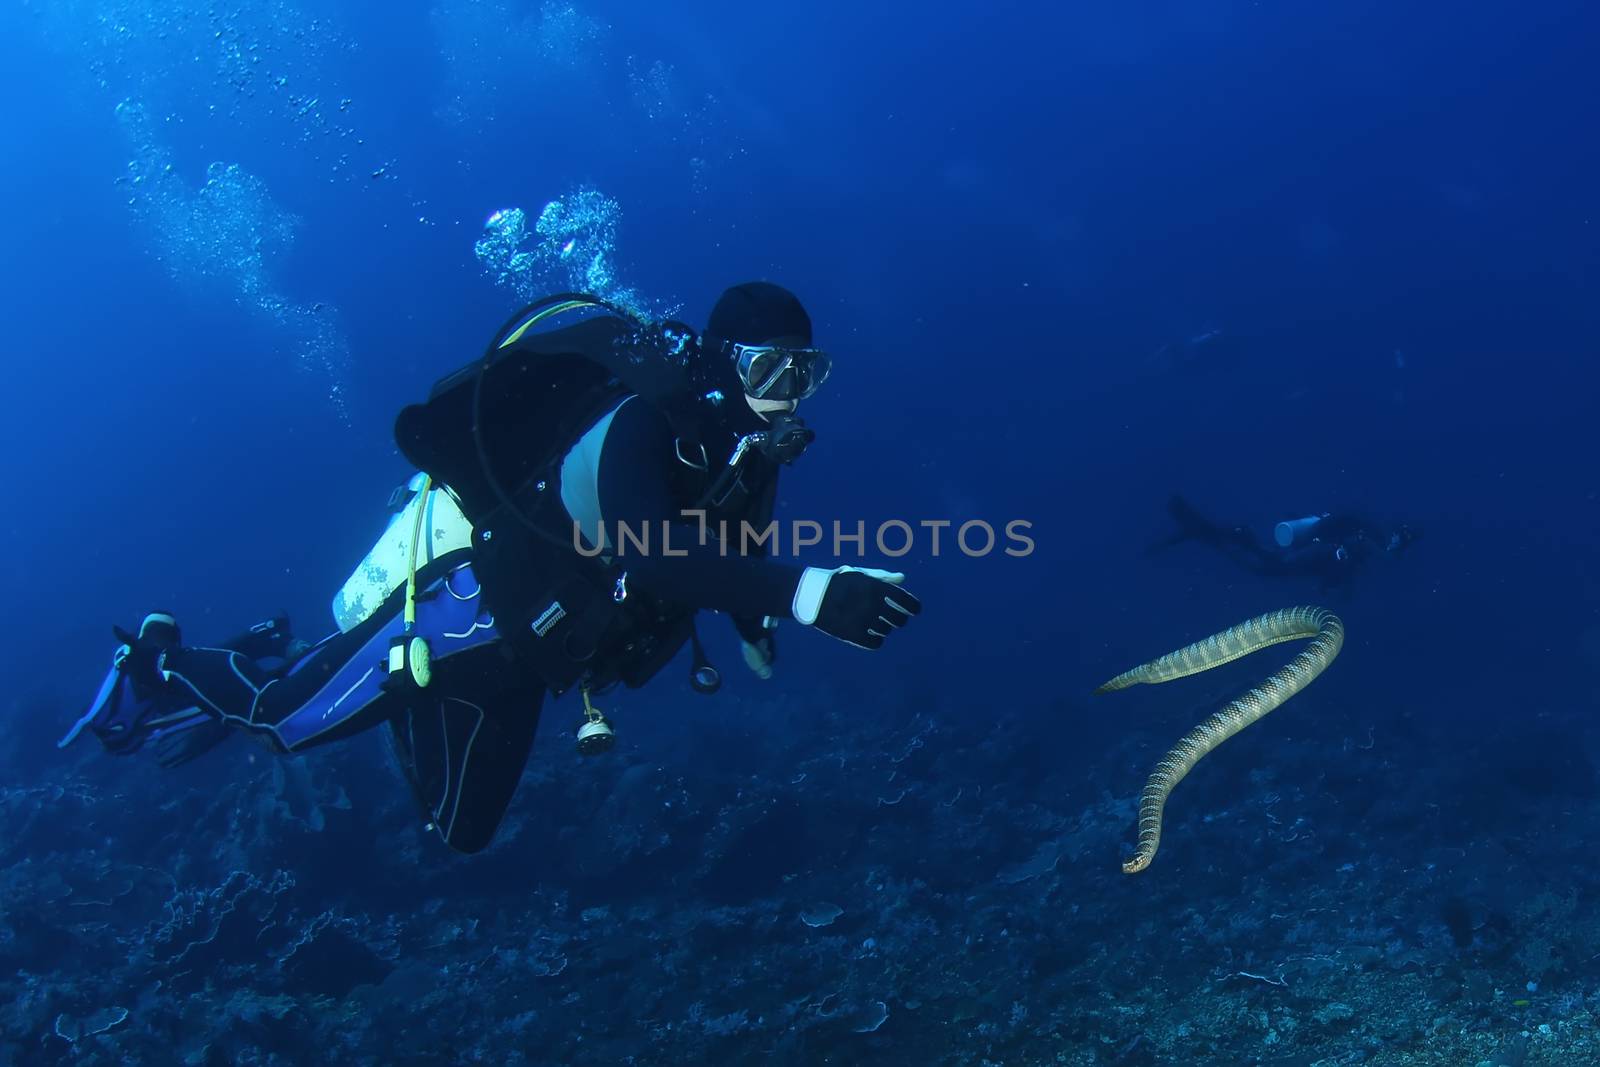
<point x="632" y="488"/>
<point x="638" y="462"/>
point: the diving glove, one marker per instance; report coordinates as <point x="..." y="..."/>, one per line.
<point x="758" y="641"/>
<point x="857" y="605"/>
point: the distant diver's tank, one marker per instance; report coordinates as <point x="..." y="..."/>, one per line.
<point x="1296" y="531"/>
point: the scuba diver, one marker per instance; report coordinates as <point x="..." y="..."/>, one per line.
<point x="1331" y="548"/>
<point x="518" y="562"/>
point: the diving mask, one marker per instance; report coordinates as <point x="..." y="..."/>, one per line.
<point x="775" y="372"/>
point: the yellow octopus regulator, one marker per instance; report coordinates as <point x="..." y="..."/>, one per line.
<point x="1290" y="624"/>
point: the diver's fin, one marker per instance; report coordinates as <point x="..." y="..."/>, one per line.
<point x="101" y="698"/>
<point x="1192" y="526"/>
<point x="1191" y="521"/>
<point x="190" y="739"/>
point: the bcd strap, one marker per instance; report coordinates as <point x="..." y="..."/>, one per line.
<point x="554" y="607"/>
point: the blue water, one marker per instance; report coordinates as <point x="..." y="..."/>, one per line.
<point x="238" y="239"/>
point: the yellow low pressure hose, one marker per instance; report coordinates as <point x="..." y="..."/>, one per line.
<point x="411" y="564"/>
<point x="1290" y="624"/>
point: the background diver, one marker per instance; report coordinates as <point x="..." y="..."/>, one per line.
<point x="1329" y="547"/>
<point x="477" y="601"/>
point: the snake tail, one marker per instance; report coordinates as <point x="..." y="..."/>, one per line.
<point x="1289" y="624"/>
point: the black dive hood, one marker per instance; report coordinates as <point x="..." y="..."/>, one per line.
<point x="751" y="313"/>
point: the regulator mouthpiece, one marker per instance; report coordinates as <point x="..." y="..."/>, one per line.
<point x="788" y="438"/>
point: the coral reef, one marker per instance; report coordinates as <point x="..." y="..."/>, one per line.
<point x="809" y="886"/>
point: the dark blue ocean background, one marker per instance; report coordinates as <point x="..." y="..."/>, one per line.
<point x="1071" y="260"/>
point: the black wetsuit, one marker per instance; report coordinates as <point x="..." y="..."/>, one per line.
<point x="466" y="736"/>
<point x="638" y="469"/>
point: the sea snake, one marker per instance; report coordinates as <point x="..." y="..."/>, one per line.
<point x="1327" y="637"/>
